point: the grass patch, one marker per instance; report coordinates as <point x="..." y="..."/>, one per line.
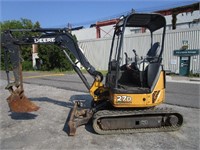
<point x="104" y="72"/>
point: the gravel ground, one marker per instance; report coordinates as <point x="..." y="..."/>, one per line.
<point x="46" y="128"/>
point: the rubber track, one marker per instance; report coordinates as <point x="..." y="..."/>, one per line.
<point x="119" y="113"/>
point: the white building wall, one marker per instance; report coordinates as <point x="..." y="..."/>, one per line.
<point x="97" y="50"/>
<point x="188" y="16"/>
<point x="83" y="34"/>
<point x="90" y="33"/>
<point x="184" y="20"/>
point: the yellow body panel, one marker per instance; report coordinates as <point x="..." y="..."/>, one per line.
<point x="132" y="100"/>
<point x="97" y="85"/>
<point x="141" y="100"/>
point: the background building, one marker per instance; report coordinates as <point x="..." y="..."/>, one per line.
<point x="183" y="29"/>
<point x="184" y="17"/>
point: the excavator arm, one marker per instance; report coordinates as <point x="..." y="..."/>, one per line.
<point x="59" y="37"/>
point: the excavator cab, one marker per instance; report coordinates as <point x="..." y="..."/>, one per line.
<point x="133" y="70"/>
<point x="136" y="80"/>
<point x="134" y="84"/>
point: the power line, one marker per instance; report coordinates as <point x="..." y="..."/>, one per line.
<point x="169" y="6"/>
<point x="147" y="9"/>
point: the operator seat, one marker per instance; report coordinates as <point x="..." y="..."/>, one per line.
<point x="152" y="56"/>
<point x="154" y="52"/>
<point x="140" y="70"/>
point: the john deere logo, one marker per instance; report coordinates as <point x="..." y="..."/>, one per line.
<point x="44" y="40"/>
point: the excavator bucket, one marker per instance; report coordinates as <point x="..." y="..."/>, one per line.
<point x="19" y="103"/>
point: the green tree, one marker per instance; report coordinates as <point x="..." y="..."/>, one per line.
<point x="51" y="56"/>
<point x="25" y="50"/>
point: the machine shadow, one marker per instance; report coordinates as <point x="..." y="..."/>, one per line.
<point x="22" y="116"/>
<point x="86" y="100"/>
<point x="29" y="116"/>
<point x="53" y="101"/>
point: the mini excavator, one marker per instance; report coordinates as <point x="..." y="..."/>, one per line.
<point x="134" y="86"/>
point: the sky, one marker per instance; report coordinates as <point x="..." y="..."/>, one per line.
<point x="58" y="13"/>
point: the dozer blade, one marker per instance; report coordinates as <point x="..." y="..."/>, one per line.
<point x="78" y="116"/>
<point x="71" y="123"/>
<point x="19" y="103"/>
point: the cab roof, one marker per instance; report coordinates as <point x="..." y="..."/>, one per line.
<point x="151" y="21"/>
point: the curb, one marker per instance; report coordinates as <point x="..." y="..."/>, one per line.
<point x="198" y="80"/>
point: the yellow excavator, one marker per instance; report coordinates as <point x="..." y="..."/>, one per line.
<point x="134" y="85"/>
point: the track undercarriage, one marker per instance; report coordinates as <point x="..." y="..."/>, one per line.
<point x="109" y="121"/>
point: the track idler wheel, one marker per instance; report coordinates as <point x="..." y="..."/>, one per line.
<point x="173" y="120"/>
